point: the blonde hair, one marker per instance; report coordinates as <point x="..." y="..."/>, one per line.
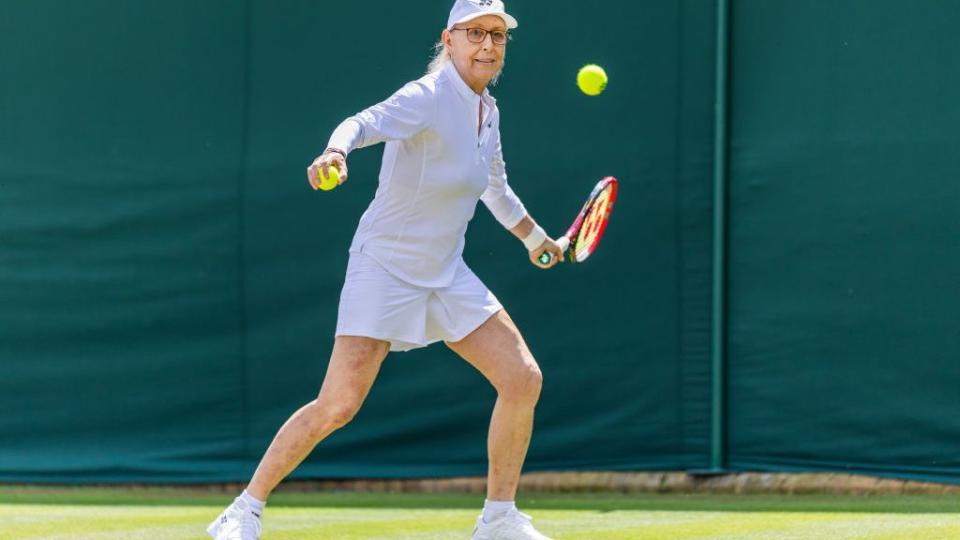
<point x="441" y="57"/>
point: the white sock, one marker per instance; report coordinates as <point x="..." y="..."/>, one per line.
<point x="255" y="503"/>
<point x="494" y="509"/>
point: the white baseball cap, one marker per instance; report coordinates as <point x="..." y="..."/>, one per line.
<point x="467" y="10"/>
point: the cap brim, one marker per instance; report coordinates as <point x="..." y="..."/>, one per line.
<point x="511" y="22"/>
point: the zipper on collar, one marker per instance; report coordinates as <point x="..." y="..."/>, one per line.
<point x="483" y="129"/>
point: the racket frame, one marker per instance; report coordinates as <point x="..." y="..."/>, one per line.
<point x="569" y="242"/>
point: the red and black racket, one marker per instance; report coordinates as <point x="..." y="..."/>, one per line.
<point x="582" y="238"/>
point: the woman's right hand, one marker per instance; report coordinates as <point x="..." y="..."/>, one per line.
<point x="320" y="165"/>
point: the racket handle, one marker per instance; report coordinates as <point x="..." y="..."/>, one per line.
<point x="546" y="256"/>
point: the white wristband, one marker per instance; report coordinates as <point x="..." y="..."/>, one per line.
<point x="535" y="238"/>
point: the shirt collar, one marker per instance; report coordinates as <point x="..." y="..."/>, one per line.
<point x="463" y="89"/>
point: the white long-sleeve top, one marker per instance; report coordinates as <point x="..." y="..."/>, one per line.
<point x="436" y="166"/>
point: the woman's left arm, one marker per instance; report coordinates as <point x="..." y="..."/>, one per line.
<point x="531" y="234"/>
<point x="506" y="207"/>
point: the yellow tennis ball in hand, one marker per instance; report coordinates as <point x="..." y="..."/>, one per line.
<point x="592" y="80"/>
<point x="332" y="180"/>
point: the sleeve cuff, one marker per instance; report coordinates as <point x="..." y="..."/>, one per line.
<point x="348" y="136"/>
<point x="508" y="210"/>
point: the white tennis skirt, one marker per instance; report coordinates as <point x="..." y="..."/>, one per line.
<point x="377" y="304"/>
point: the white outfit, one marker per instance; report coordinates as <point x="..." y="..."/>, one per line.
<point x="435" y="168"/>
<point x="377" y="304"/>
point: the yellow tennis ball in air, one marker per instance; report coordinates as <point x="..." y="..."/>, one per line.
<point x="332" y="181"/>
<point x="592" y="80"/>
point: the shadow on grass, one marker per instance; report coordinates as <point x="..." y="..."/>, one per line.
<point x="602" y="502"/>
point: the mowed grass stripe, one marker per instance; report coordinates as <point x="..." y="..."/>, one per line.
<point x="118" y="514"/>
<point x="133" y="523"/>
<point x="164" y="496"/>
<point x="350" y="524"/>
<point x="58" y="521"/>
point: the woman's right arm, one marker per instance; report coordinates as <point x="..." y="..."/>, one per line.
<point x="401" y="116"/>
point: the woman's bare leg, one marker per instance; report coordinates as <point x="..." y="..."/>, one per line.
<point x="354" y="365"/>
<point x="498" y="351"/>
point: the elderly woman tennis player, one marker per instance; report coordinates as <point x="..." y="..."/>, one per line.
<point x="407" y="285"/>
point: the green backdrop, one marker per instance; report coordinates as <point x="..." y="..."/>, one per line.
<point x="169" y="282"/>
<point x="844" y="327"/>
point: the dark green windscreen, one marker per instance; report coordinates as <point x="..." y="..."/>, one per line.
<point x="169" y="282"/>
<point x="845" y="228"/>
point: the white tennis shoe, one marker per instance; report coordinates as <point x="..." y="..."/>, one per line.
<point x="514" y="525"/>
<point x="237" y="522"/>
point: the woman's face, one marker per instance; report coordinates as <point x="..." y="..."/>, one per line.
<point x="477" y="63"/>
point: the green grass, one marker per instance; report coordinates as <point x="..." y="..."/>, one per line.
<point x="182" y="514"/>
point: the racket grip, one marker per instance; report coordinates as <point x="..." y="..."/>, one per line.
<point x="546" y="256"/>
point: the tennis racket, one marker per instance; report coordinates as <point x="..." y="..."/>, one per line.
<point x="582" y="238"/>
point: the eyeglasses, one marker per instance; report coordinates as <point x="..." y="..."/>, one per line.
<point x="477" y="35"/>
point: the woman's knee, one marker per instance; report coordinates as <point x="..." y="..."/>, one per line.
<point x="524" y="385"/>
<point x="341" y="414"/>
<point x="326" y="417"/>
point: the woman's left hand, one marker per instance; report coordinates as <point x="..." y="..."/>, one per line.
<point x="548" y="246"/>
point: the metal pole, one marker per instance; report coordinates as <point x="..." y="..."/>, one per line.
<point x="719" y="371"/>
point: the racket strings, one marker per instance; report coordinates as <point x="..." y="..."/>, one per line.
<point x="593" y="225"/>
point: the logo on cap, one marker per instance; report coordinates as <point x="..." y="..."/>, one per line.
<point x="484" y="3"/>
